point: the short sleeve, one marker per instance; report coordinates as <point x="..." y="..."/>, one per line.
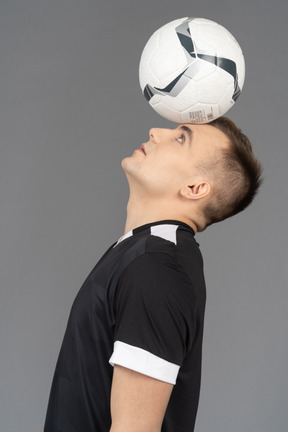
<point x="155" y="317"/>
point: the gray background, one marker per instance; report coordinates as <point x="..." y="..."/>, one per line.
<point x="70" y="110"/>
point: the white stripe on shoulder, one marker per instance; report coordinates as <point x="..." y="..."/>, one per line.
<point x="144" y="362"/>
<point x="165" y="231"/>
<point x="124" y="237"/>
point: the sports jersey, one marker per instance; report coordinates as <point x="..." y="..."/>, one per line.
<point x="141" y="307"/>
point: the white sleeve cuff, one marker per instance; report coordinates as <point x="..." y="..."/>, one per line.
<point x="144" y="362"/>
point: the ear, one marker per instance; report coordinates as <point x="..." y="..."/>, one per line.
<point x="196" y="191"/>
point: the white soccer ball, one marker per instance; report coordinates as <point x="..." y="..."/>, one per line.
<point x="192" y="70"/>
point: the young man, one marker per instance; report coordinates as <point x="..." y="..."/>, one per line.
<point x="131" y="356"/>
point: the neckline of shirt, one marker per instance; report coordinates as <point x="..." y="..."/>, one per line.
<point x="149" y="225"/>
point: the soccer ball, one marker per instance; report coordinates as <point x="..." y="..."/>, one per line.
<point x="192" y="70"/>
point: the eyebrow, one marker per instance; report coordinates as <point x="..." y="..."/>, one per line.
<point x="187" y="130"/>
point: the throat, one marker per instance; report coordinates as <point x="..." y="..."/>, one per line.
<point x="141" y="212"/>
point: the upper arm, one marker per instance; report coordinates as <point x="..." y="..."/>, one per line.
<point x="138" y="402"/>
<point x="155" y="318"/>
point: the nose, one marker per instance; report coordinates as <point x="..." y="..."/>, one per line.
<point x="155" y="135"/>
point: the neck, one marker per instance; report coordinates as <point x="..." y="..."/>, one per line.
<point x="144" y="211"/>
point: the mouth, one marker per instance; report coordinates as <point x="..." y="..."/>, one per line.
<point x="143" y="149"/>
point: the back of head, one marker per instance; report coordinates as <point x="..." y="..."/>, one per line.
<point x="235" y="176"/>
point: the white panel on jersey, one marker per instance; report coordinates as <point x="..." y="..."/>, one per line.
<point x="144" y="362"/>
<point x="128" y="234"/>
<point x="167" y="232"/>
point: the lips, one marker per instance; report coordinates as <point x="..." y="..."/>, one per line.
<point x="143" y="149"/>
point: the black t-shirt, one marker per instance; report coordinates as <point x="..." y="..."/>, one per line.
<point x="141" y="307"/>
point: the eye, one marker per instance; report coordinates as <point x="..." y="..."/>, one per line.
<point x="181" y="139"/>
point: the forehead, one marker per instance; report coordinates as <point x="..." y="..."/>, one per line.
<point x="207" y="136"/>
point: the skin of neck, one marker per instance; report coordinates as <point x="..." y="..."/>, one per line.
<point x="143" y="210"/>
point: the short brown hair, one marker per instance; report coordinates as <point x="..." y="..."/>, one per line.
<point x="236" y="167"/>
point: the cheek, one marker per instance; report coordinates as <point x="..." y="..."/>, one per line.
<point x="166" y="161"/>
<point x="175" y="166"/>
<point x="166" y="173"/>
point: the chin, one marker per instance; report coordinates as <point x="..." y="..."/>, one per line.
<point x="128" y="166"/>
<point x="124" y="163"/>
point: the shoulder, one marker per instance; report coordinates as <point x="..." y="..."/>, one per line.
<point x="164" y="256"/>
<point x="159" y="273"/>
